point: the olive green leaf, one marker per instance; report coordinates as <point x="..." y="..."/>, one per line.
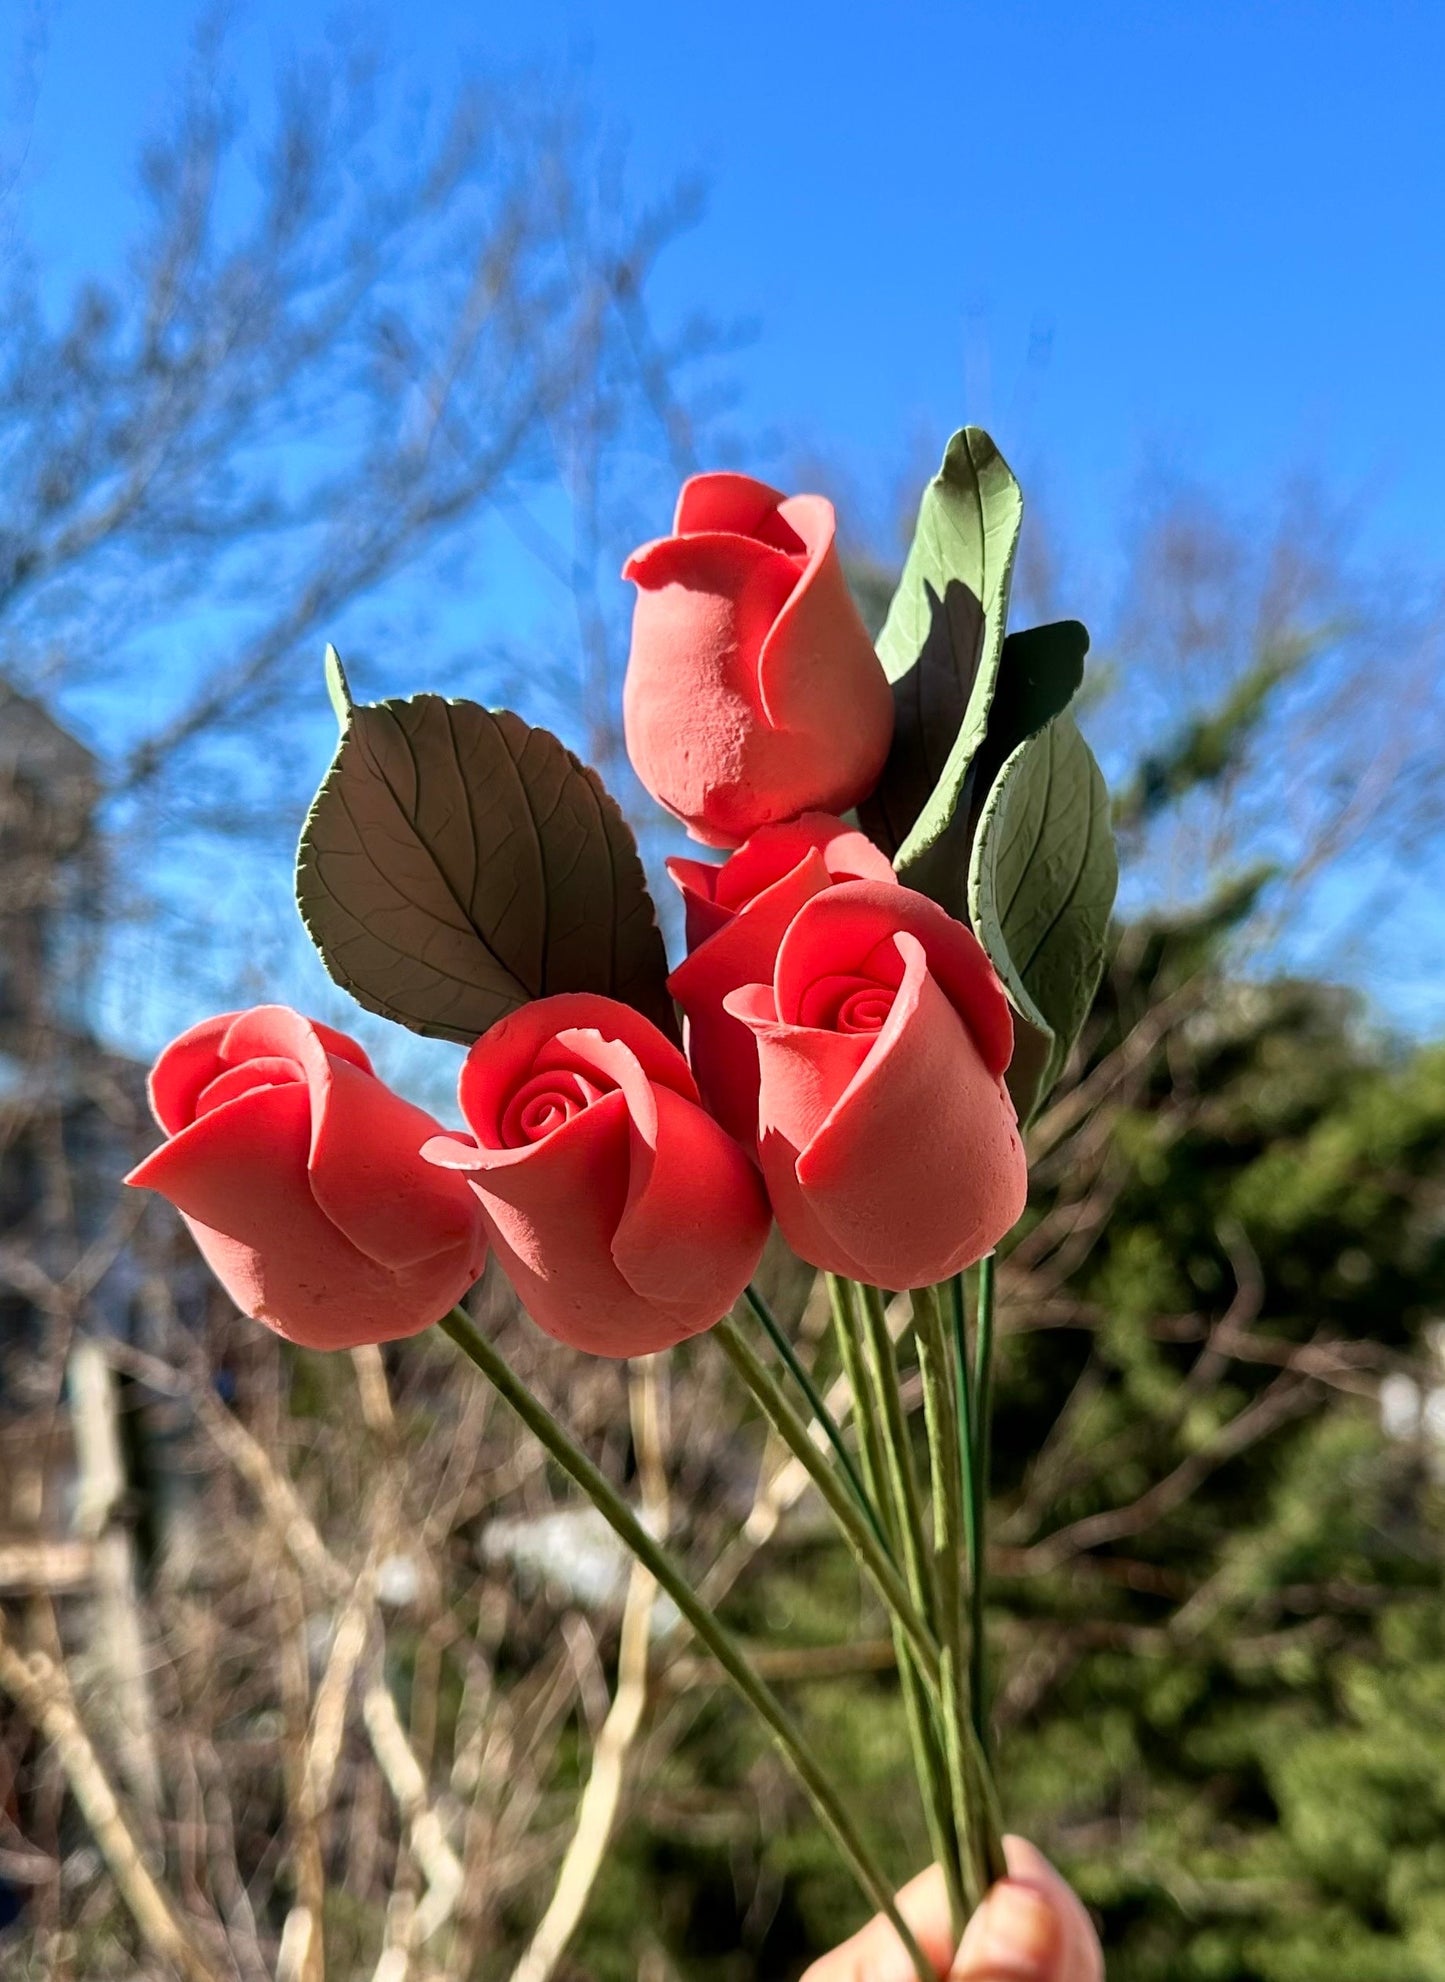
<point x="1039" y="672"/>
<point x="1040" y="890"/>
<point x="338" y="688"/>
<point x="456" y="863"/>
<point x="941" y="644"/>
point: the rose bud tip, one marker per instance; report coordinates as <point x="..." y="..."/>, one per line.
<point x="753" y="693"/>
<point x="623" y="1215"/>
<point x="300" y="1176"/>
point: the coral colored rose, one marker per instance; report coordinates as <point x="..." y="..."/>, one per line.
<point x="753" y="692"/>
<point x="301" y="1177"/>
<point x="736" y="916"/>
<point x="622" y="1214"/>
<point x="888" y="1141"/>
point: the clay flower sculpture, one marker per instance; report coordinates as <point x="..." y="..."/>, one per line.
<point x="736" y="915"/>
<point x="300" y="1176"/>
<point x="462" y="873"/>
<point x="888" y="1140"/>
<point x="753" y="692"/>
<point x="625" y="1218"/>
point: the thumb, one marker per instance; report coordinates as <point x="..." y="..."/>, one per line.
<point x="1032" y="1927"/>
<point x="1015" y="1936"/>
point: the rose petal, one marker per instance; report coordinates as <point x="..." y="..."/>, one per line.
<point x="236" y="1081"/>
<point x="731" y="589"/>
<point x="712" y="894"/>
<point x="451" y="1151"/>
<point x="184" y="1069"/>
<point x="818" y="672"/>
<point x="696" y="881"/>
<point x="368" y="1174"/>
<point x="695" y="1220"/>
<point x="774" y="852"/>
<point x="723" y="1054"/>
<point x="918" y="1169"/>
<point x="241" y="1169"/>
<point x="738" y="504"/>
<point x="797" y="1217"/>
<point x="552" y="1210"/>
<point x="839" y="929"/>
<point x="269" y="1029"/>
<point x="507" y="1053"/>
<point x="803" y="1071"/>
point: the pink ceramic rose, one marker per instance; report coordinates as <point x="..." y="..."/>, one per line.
<point x="736" y="917"/>
<point x="301" y="1178"/>
<point x="623" y="1215"/>
<point x="753" y="693"/>
<point x="888" y="1141"/>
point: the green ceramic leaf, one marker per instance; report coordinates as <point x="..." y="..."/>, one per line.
<point x="1041" y="886"/>
<point x="457" y="863"/>
<point x="338" y="688"/>
<point x="1038" y="675"/>
<point x="941" y="644"/>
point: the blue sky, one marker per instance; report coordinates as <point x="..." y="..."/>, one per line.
<point x="1205" y="236"/>
<point x="1114" y="232"/>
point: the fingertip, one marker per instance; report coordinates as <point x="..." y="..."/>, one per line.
<point x="1081" y="1958"/>
<point x="1015" y="1936"/>
<point x="876" y="1954"/>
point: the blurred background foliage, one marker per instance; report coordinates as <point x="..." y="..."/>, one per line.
<point x="1216" y="1628"/>
<point x="318" y="1645"/>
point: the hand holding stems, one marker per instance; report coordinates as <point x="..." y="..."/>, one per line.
<point x="1032" y="1927"/>
<point x="917" y="1565"/>
<point x="830" y="1806"/>
<point x="926" y="1603"/>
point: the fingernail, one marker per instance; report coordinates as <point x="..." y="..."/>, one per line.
<point x="1013" y="1937"/>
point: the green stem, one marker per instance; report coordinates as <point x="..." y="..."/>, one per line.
<point x="869" y="1547"/>
<point x="940" y="1408"/>
<point x="850" y="1355"/>
<point x="931" y="1768"/>
<point x="963" y="1376"/>
<point x="919" y="1709"/>
<point x="816" y="1404"/>
<point x="943" y="1757"/>
<point x="982" y="1414"/>
<point x="897" y="1447"/>
<point x="831" y="1808"/>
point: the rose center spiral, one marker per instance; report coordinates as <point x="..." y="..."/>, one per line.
<point x="851" y="1003"/>
<point x="865" y="1009"/>
<point x="266" y="1070"/>
<point x="547" y="1101"/>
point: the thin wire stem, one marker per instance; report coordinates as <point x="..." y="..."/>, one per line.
<point x="817" y="1405"/>
<point x="958" y="1316"/>
<point x="869" y="1548"/>
<point x="870" y="1438"/>
<point x="982" y="1414"/>
<point x="898" y="1448"/>
<point x="832" y="1810"/>
<point x="920" y="1709"/>
<point x="940" y="1406"/>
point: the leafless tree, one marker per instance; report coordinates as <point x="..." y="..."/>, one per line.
<point x="358" y="354"/>
<point x="366" y="361"/>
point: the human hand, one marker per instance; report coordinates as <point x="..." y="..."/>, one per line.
<point x="1031" y="1928"/>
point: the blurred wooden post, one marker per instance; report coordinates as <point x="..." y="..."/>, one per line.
<point x="117" y="1645"/>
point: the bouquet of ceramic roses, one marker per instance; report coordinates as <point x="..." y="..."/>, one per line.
<point x="885" y="972"/>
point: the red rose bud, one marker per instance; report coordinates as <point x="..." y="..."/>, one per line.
<point x="622" y="1214"/>
<point x="888" y="1140"/>
<point x="301" y="1178"/>
<point x="753" y="692"/>
<point x="736" y="917"/>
